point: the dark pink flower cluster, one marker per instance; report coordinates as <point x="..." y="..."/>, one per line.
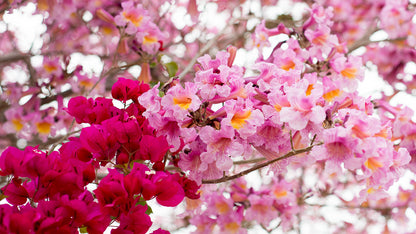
<point x="47" y="191"/>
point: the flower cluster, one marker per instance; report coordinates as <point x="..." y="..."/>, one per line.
<point x="121" y="137"/>
<point x="290" y="114"/>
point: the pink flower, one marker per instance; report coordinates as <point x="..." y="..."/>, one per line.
<point x="168" y="191"/>
<point x="221" y="146"/>
<point x="397" y="18"/>
<point x="216" y="78"/>
<point x="134" y="17"/>
<point x="303" y="98"/>
<point x="91" y="111"/>
<point x="151" y="101"/>
<point x="16" y="123"/>
<point x="190" y="159"/>
<point x="242" y="116"/>
<point x="261" y="209"/>
<point x="322" y="41"/>
<point x="233" y="223"/>
<point x="179" y="101"/>
<point x="217" y="204"/>
<point x="339" y="147"/>
<point x="287" y="60"/>
<point x="204" y="224"/>
<point x="261" y="35"/>
<point x="151" y="39"/>
<point x="37" y="163"/>
<point x="124" y="131"/>
<point x="271" y="136"/>
<point x="160" y="231"/>
<point x="43" y="125"/>
<point x="350" y="71"/>
<point x="282" y="192"/>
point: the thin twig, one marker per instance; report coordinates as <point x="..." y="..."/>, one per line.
<point x="254" y="160"/>
<point x="261" y="165"/>
<point x="291" y="141"/>
<point x="203" y="50"/>
<point x="365" y="40"/>
<point x="380" y="209"/>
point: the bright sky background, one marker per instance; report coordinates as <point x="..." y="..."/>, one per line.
<point x="28" y="29"/>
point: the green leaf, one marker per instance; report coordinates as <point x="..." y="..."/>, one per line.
<point x="142" y="202"/>
<point x="2" y="196"/>
<point x="83" y="229"/>
<point x="149" y="210"/>
<point x="172" y="68"/>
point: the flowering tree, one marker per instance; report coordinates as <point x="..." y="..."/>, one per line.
<point x="244" y="114"/>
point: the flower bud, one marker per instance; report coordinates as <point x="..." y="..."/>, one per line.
<point x="105" y="16"/>
<point x="145" y="73"/>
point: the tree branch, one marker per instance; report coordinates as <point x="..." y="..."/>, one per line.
<point x="203" y="50"/>
<point x="261" y="165"/>
<point x="13" y="57"/>
<point x="365" y="40"/>
<point x="254" y="160"/>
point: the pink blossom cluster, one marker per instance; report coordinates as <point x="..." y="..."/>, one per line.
<point x="302" y="94"/>
<point x="294" y="115"/>
<point x="239" y="206"/>
<point x="121" y="137"/>
<point x="306" y="92"/>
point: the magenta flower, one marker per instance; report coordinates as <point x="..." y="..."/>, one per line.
<point x="135" y="221"/>
<point x="126" y="89"/>
<point x="15" y="193"/>
<point x="111" y="194"/>
<point x="10" y="162"/>
<point x="91" y="111"/>
<point x="152" y="148"/>
<point x="100" y="142"/>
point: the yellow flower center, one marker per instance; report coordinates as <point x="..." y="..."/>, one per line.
<point x="309" y="90"/>
<point x="49" y="67"/>
<point x="373" y="164"/>
<point x="288" y="65"/>
<point x="232" y="227"/>
<point x="86" y="83"/>
<point x="149" y="40"/>
<point x="329" y="96"/>
<point x="107" y="30"/>
<point x="183" y="102"/>
<point x="279" y="193"/>
<point x="17" y="123"/>
<point x="222" y="207"/>
<point x="239" y="119"/>
<point x="320" y="40"/>
<point x="136" y="20"/>
<point x="43" y="127"/>
<point x="349" y="73"/>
